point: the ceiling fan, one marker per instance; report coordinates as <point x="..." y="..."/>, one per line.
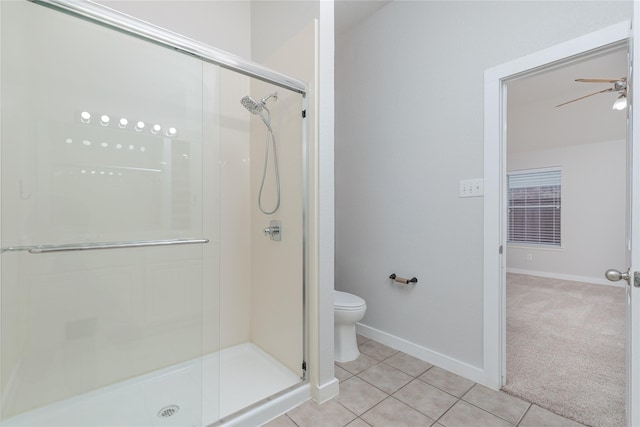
<point x="619" y="85"/>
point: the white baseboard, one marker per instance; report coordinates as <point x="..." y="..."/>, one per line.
<point x="571" y="277"/>
<point x="445" y="362"/>
<point x="325" y="392"/>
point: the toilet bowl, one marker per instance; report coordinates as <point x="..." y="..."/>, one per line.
<point x="347" y="310"/>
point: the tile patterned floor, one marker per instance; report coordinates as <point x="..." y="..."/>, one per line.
<point x="388" y="388"/>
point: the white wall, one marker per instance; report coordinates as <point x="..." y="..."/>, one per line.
<point x="275" y="22"/>
<point x="593" y="222"/>
<point x="409" y="126"/>
<point x="222" y="24"/>
<point x="324" y="207"/>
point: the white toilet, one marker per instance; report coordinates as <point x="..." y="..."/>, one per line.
<point x="347" y="309"/>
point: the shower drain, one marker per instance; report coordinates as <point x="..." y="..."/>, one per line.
<point x="168" y="411"/>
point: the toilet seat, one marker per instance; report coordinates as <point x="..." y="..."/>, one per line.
<point x="347" y="302"/>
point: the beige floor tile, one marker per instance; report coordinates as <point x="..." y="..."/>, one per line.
<point x="361" y="339"/>
<point x="366" y="382"/>
<point x="360" y="364"/>
<point x="536" y="417"/>
<point x="329" y="414"/>
<point x="408" y="364"/>
<point x="385" y="377"/>
<point x="464" y="414"/>
<point x="447" y="381"/>
<point x="281" y="421"/>
<point x="392" y="412"/>
<point x="427" y="399"/>
<point x="359" y="396"/>
<point x="376" y="350"/>
<point x="498" y="403"/>
<point x="341" y="374"/>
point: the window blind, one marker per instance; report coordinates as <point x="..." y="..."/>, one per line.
<point x="534" y="207"/>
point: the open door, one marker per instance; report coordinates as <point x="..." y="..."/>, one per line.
<point x="630" y="274"/>
<point x="494" y="222"/>
<point x="633" y="311"/>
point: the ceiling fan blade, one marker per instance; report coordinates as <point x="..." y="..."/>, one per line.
<point x="601" y="80"/>
<point x="586" y="96"/>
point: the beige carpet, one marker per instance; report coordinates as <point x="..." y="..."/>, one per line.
<point x="566" y="348"/>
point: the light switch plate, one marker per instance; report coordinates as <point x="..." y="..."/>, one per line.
<point x="471" y="187"/>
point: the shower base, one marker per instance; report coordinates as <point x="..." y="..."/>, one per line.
<point x="186" y="395"/>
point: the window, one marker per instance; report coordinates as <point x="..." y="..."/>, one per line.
<point x="534" y="202"/>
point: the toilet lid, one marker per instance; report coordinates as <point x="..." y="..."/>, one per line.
<point x="346" y="300"/>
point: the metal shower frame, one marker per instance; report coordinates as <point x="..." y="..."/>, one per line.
<point x="155" y="34"/>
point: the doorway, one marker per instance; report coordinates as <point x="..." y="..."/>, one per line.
<point x="496" y="84"/>
<point x="565" y="323"/>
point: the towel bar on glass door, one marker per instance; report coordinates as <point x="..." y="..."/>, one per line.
<point x="95" y="246"/>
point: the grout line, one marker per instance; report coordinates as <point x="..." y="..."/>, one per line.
<point x="370" y="409"/>
<point x="357" y="416"/>
<point x="445" y="391"/>
<point x="373" y="385"/>
<point x="488" y="412"/>
<point x="525" y="413"/>
<point x="419" y="411"/>
<point x="411" y="407"/>
<point x="483" y="410"/>
<point x="411" y="375"/>
<point x="416" y="377"/>
<point x="447" y="411"/>
<point x="439" y="389"/>
<point x="297" y="425"/>
<point x="468" y="391"/>
<point x="379" y="361"/>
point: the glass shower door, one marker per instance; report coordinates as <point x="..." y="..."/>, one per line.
<point x="107" y="284"/>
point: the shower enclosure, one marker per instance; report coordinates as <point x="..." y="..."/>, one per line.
<point x="140" y="283"/>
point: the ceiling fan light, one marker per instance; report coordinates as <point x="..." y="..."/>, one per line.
<point x="621" y="103"/>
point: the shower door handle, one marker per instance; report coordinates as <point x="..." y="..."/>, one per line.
<point x="99" y="246"/>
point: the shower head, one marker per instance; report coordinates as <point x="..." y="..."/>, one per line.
<point x="254" y="106"/>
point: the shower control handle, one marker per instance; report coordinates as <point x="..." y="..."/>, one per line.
<point x="268" y="231"/>
<point x="274" y="230"/>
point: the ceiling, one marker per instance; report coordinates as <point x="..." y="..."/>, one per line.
<point x="349" y="13"/>
<point x="561" y="82"/>
<point x="534" y="122"/>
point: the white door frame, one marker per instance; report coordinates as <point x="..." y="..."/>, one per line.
<point x="494" y="289"/>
